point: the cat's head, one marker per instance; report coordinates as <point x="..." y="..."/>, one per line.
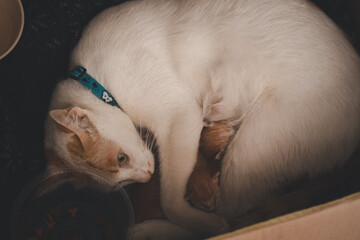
<point x="97" y="139"/>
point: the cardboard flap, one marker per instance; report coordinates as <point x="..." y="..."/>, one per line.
<point x="339" y="219"/>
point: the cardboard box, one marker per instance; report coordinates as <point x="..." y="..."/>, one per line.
<point x="335" y="220"/>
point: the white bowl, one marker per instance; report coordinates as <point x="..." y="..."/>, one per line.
<point x="11" y="25"/>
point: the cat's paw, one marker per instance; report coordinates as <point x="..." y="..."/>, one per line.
<point x="214" y="225"/>
<point x="161" y="230"/>
<point x="203" y="223"/>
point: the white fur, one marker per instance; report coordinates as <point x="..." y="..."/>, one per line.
<point x="161" y="230"/>
<point x="283" y="70"/>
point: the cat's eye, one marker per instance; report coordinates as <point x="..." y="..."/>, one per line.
<point x="123" y="159"/>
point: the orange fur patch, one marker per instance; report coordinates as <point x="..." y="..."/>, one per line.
<point x="215" y="138"/>
<point x="202" y="189"/>
<point x="91" y="148"/>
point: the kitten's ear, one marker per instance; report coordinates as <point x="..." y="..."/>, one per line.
<point x="70" y="120"/>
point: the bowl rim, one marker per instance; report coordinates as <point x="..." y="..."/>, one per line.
<point x="68" y="173"/>
<point x="22" y="20"/>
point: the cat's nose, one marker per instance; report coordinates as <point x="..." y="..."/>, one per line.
<point x="144" y="176"/>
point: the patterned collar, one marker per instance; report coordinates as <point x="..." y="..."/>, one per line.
<point x="79" y="74"/>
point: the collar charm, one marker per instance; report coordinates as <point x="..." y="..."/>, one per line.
<point x="79" y="74"/>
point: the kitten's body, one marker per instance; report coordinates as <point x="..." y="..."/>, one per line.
<point x="280" y="69"/>
<point x="202" y="188"/>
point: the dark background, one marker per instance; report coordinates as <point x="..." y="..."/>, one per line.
<point x="29" y="73"/>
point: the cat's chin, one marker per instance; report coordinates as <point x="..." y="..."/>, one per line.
<point x="126" y="182"/>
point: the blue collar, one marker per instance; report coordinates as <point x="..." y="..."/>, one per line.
<point x="79" y="74"/>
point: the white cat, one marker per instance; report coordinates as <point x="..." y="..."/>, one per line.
<point x="280" y="69"/>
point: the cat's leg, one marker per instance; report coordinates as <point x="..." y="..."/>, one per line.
<point x="276" y="143"/>
<point x="161" y="230"/>
<point x="248" y="165"/>
<point x="178" y="153"/>
<point x="218" y="111"/>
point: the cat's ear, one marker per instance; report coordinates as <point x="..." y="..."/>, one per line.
<point x="71" y="120"/>
<point x="68" y="119"/>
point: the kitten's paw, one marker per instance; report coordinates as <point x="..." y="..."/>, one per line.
<point x="220" y="155"/>
<point x="161" y="230"/>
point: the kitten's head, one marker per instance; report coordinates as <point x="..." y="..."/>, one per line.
<point x="203" y="190"/>
<point x="106" y="141"/>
